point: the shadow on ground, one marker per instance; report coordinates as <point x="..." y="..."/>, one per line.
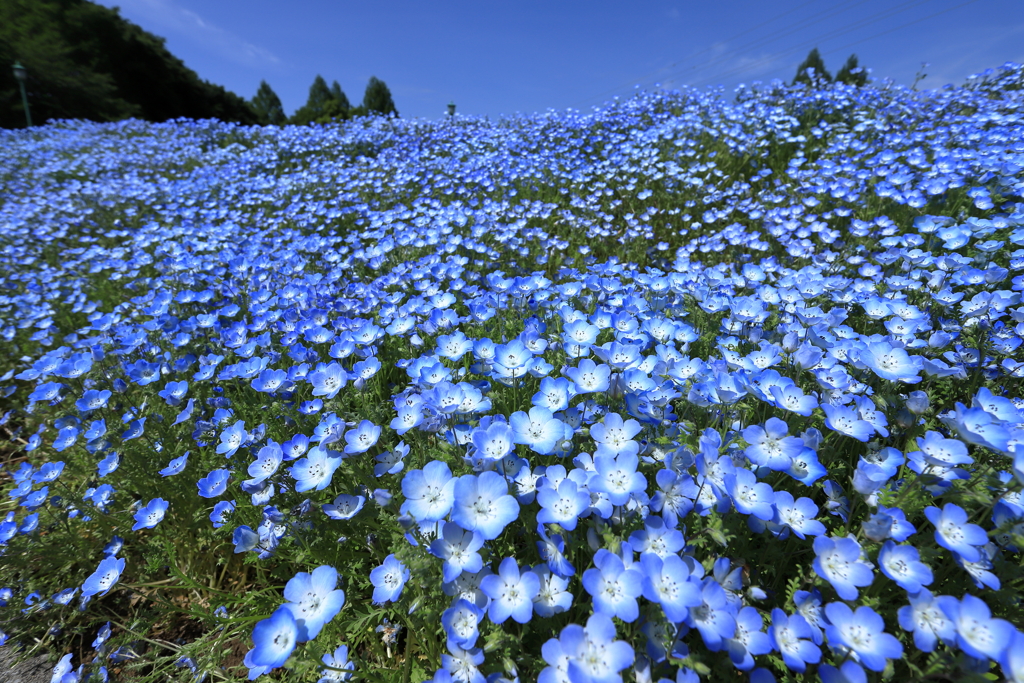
<point x="35" y="670"/>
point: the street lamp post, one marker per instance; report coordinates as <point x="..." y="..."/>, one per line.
<point x="451" y="109"/>
<point x="21" y="73"/>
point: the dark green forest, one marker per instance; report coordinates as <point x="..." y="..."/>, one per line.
<point x="85" y="61"/>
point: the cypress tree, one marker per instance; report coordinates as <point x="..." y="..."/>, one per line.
<point x="815" y="62"/>
<point x="377" y="98"/>
<point x="267" y="105"/>
<point x="852" y="73"/>
<point x="339" y="96"/>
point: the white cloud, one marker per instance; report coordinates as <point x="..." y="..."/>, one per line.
<point x="165" y="16"/>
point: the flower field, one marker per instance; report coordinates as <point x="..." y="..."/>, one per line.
<point x="693" y="387"/>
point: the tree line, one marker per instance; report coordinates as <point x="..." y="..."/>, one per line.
<point x="812" y="71"/>
<point x="86" y="61"/>
<point x="324" y="104"/>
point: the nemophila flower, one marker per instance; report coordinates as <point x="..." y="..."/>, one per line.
<point x="657" y="538"/>
<point x="361" y="438"/>
<point x="538" y="429"/>
<point x="771" y="446"/>
<point x="902" y="564"/>
<point x="715" y="616"/>
<point x="554" y="394"/>
<point x="748" y="640"/>
<point x="93" y="399"/>
<point x="943" y="452"/>
<point x="175" y="466"/>
<point x="388" y="580"/>
<point x="614" y="436"/>
<point x="429" y="493"/>
<point x="493" y="442"/>
<point x="891" y="363"/>
<point x="244" y="539"/>
<point x="675" y="496"/>
<point x="863" y="633"/>
<point x="103" y="579"/>
<point x="295" y="447"/>
<point x="617" y="477"/>
<point x="563" y="505"/>
<point x="977" y="633"/>
<point x="749" y="496"/>
<point x="232" y="438"/>
<point x="586" y="655"/>
<point x="799" y="515"/>
<point x="391" y="462"/>
<point x="613" y="587"/>
<point x="953" y="532"/>
<point x="316" y="469"/>
<point x="273" y="640"/>
<point x="267" y="461"/>
<point x="511" y="592"/>
<point x="978" y="427"/>
<point x="790" y="635"/>
<point x="340" y="666"/>
<point x="459" y="550"/>
<point x="461" y="665"/>
<point x="344" y="507"/>
<point x="221" y="512"/>
<point x="461" y="623"/>
<point x="313" y="600"/>
<point x="552" y="550"/>
<point x="271" y="381"/>
<point x="839" y="561"/>
<point x="214" y="484"/>
<point x="667" y="583"/>
<point x="327" y="379"/>
<point x="482" y="504"/>
<point x="553" y="596"/>
<point x="790" y="397"/>
<point x="1013" y="659"/>
<point x="849" y="672"/>
<point x="150" y="515"/>
<point x="846" y="421"/>
<point x="588" y="377"/>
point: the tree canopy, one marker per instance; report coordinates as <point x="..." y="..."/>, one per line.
<point x="85" y="61"/>
<point x="812" y="71"/>
<point x="377" y="98"/>
<point x="267" y="106"/>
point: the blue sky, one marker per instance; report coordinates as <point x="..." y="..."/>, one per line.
<point x="494" y="58"/>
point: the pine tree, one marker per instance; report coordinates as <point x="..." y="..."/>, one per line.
<point x="316" y="104"/>
<point x="377" y="98"/>
<point x="815" y="62"/>
<point x="267" y="105"/>
<point x="339" y="96"/>
<point x="852" y="73"/>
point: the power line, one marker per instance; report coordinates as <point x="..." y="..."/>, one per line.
<point x="748" y="67"/>
<point x="707" y="49"/>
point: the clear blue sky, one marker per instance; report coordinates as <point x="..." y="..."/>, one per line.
<point x="496" y="58"/>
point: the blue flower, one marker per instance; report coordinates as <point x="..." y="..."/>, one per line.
<point x="614" y="436"/>
<point x="493" y="442"/>
<point x="838" y="561"/>
<point x="749" y="496"/>
<point x="977" y="633"/>
<point x="846" y="421"/>
<point x="214" y="484"/>
<point x="388" y="580"/>
<point x="562" y="506"/>
<point x="863" y="633"/>
<point x="316" y="469"/>
<point x="232" y="438"/>
<point x="175" y="466"/>
<point x="511" y="592"/>
<point x="327" y="380"/>
<point x="715" y="616"/>
<point x="790" y="635"/>
<point x="771" y="446"/>
<point x="617" y="477"/>
<point x="344" y="507"/>
<point x="482" y="504"/>
<point x="362" y="438"/>
<point x="220" y="513"/>
<point x="902" y="564"/>
<point x="613" y="587"/>
<point x="539" y="430"/>
<point x="459" y="550"/>
<point x="151" y="515"/>
<point x="461" y="623"/>
<point x="954" y="533"/>
<point x="429" y="493"/>
<point x="667" y="583"/>
<point x="339" y="664"/>
<point x="106" y="575"/>
<point x="273" y="640"/>
<point x="748" y="640"/>
<point x="313" y="600"/>
<point x="553" y="596"/>
<point x="586" y="655"/>
<point x="798" y="515"/>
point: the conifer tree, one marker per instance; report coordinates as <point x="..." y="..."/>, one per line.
<point x="316" y="104"/>
<point x="377" y="98"/>
<point x="815" y="62"/>
<point x="267" y="106"/>
<point x="852" y="73"/>
<point x="339" y="95"/>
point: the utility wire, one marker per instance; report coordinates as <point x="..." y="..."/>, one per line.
<point x="749" y="67"/>
<point x="696" y="54"/>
